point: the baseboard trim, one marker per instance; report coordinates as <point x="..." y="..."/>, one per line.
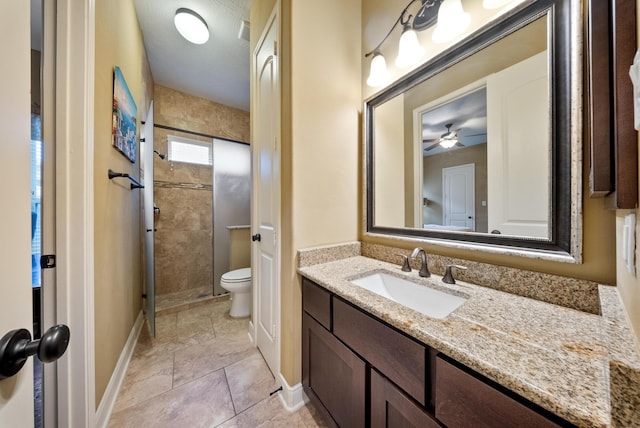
<point x="252" y="331"/>
<point x="115" y="383"/>
<point x="291" y="397"/>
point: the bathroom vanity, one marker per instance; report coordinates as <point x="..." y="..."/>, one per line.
<point x="349" y="355"/>
<point x="497" y="360"/>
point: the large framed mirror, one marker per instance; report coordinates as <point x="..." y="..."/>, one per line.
<point x="480" y="147"/>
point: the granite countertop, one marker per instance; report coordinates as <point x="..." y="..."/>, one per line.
<point x="554" y="356"/>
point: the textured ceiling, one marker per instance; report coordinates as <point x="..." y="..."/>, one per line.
<point x="217" y="70"/>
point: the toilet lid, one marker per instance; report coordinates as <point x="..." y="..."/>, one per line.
<point x="237" y="275"/>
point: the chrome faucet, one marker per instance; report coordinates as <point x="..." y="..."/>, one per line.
<point x="424" y="269"/>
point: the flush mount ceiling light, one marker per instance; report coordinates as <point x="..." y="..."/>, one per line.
<point x="191" y="26"/>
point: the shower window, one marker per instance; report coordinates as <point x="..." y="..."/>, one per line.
<point x="189" y="151"/>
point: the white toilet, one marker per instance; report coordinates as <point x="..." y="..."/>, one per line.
<point x="238" y="283"/>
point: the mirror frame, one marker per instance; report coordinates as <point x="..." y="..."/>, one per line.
<point x="565" y="52"/>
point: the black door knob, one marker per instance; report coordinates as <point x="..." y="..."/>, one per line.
<point x="256" y="237"/>
<point x="16" y="346"/>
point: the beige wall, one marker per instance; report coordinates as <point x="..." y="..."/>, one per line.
<point x="389" y="173"/>
<point x="629" y="285"/>
<point x="598" y="223"/>
<point x="118" y="278"/>
<point x="240" y="248"/>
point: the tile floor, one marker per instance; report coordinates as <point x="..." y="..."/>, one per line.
<point x="201" y="370"/>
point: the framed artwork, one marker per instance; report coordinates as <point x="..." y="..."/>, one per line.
<point x="124" y="135"/>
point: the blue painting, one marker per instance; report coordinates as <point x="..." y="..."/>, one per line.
<point x="125" y="113"/>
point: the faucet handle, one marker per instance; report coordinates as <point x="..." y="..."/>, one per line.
<point x="405" y="263"/>
<point x="448" y="274"/>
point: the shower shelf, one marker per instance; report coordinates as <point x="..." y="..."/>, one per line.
<point x="135" y="184"/>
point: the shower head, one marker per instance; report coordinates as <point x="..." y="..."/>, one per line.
<point x="160" y="155"/>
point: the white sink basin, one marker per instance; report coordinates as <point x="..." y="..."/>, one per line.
<point x="431" y="302"/>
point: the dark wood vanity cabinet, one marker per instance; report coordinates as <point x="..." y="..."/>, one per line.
<point x="360" y="371"/>
<point x="333" y="376"/>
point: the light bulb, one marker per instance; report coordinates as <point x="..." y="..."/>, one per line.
<point x="378" y="73"/>
<point x="409" y="49"/>
<point x="452" y="21"/>
<point x="191" y="26"/>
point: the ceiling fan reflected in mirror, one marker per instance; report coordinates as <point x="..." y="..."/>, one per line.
<point x="448" y="139"/>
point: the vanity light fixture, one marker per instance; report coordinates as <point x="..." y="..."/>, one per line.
<point x="452" y="21"/>
<point x="409" y="49"/>
<point x="494" y="4"/>
<point x="191" y="26"/>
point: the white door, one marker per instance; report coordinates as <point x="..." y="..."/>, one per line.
<point x="149" y="227"/>
<point x="459" y="196"/>
<point x="518" y="149"/>
<point x="16" y="393"/>
<point x="266" y="197"/>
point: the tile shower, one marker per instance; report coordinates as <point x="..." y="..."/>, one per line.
<point x="185" y="247"/>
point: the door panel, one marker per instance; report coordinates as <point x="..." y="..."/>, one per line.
<point x="459" y="196"/>
<point x="146" y="174"/>
<point x="16" y="393"/>
<point x="518" y="179"/>
<point x="266" y="196"/>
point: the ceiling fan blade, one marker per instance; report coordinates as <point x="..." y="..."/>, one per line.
<point x="433" y="146"/>
<point x="430" y="140"/>
<point x="459" y="144"/>
<point x="472" y="135"/>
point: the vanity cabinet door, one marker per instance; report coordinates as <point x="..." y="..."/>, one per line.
<point x="463" y="400"/>
<point x="398" y="357"/>
<point x="391" y="408"/>
<point x="333" y="377"/>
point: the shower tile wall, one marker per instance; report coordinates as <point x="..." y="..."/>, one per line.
<point x="183" y="241"/>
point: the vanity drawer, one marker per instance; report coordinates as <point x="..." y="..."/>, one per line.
<point x="316" y="301"/>
<point x="463" y="400"/>
<point x="399" y="358"/>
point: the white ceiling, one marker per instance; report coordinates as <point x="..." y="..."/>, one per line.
<point x="217" y="70"/>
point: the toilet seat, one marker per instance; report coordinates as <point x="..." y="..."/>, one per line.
<point x="238" y="275"/>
